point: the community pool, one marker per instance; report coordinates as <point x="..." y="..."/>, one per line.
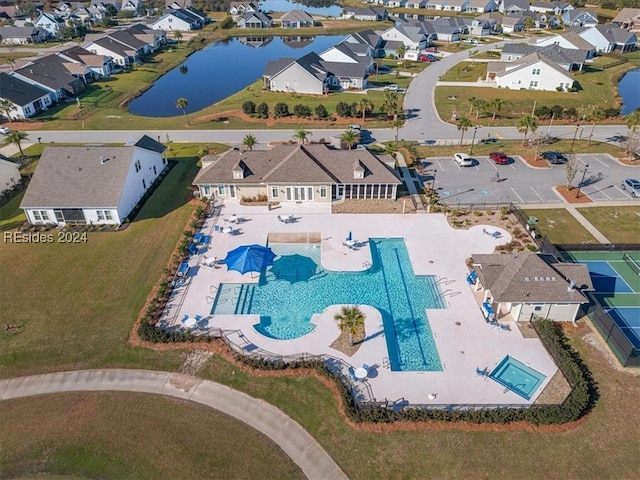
<point x="517" y="377"/>
<point x="296" y="287"/>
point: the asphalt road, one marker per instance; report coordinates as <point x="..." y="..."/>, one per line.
<point x="521" y="184"/>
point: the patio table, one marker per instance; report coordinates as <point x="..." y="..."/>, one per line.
<point x="190" y="322"/>
<point x="360" y="373"/>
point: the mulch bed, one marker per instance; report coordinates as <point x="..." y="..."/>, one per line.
<point x="343" y="343"/>
<point x="569" y="195"/>
<point x="538" y="162"/>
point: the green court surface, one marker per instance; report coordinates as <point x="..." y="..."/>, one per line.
<point x="622" y="268"/>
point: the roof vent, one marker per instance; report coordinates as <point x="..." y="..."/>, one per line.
<point x="572" y="286"/>
<point x="102" y="160"/>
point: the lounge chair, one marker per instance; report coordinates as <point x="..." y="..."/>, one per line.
<point x="504" y="327"/>
<point x="482" y="373"/>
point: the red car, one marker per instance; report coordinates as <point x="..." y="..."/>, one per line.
<point x="499" y="157"/>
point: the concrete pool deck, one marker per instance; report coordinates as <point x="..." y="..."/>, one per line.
<point x="465" y="341"/>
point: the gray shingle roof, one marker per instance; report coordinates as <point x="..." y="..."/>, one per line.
<point x="19" y="32"/>
<point x="299" y="15"/>
<point x="18" y="91"/>
<point x="529" y="278"/>
<point x="80" y="177"/>
<point x="294" y="164"/>
<point x="148" y="143"/>
<point x="51" y="72"/>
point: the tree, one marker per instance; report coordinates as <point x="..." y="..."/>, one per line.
<point x="390" y="149"/>
<point x="401" y="50"/>
<point x="177" y="34"/>
<point x="527" y="124"/>
<point x="363" y="107"/>
<point x="478" y="104"/>
<point x="301" y="136"/>
<point x="570" y="170"/>
<point x="350" y="320"/>
<point x="249" y="107"/>
<point x="281" y="110"/>
<point x="390" y="104"/>
<point x="350" y="137"/>
<point x="6" y="106"/>
<point x="528" y="23"/>
<point x="632" y="121"/>
<point x="321" y="112"/>
<point x="16" y="137"/>
<point x="343" y="109"/>
<point x="464" y="124"/>
<point x="262" y="110"/>
<point x="472" y="103"/>
<point x="594" y="114"/>
<point x="249" y="141"/>
<point x="495" y="105"/>
<point x="182" y="103"/>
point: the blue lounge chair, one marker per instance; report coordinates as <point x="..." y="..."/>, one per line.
<point x="206" y="239"/>
<point x="198" y="237"/>
<point x="183" y="269"/>
<point x="481" y="373"/>
<point x="472" y="277"/>
<point x="198" y="317"/>
<point x="193" y="248"/>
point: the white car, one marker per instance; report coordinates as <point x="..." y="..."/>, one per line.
<point x="393" y="87"/>
<point x="4" y="130"/>
<point x="463" y="159"/>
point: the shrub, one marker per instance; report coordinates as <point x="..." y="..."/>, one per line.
<point x="343" y="109"/>
<point x="281" y="110"/>
<point x="249" y="107"/>
<point x="542" y="112"/>
<point x="321" y="112"/>
<point x="301" y="110"/>
<point x="262" y="110"/>
<point x="611" y="112"/>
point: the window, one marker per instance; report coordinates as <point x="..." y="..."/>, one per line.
<point x="154" y="170"/>
<point x="323" y="191"/>
<point x="533" y="84"/>
<point x="221" y="190"/>
<point x="107" y="215"/>
<point x="144" y="184"/>
<point x="138" y="166"/>
<point x="100" y="215"/>
<point x="275" y="192"/>
<point x="536" y="71"/>
<point x="40" y="216"/>
<point x="537" y="308"/>
<point x="207" y="190"/>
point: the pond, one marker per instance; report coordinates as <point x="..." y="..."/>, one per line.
<point x="327" y="8"/>
<point x="220" y="70"/>
<point x="629" y="91"/>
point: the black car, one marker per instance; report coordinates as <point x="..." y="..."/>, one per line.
<point x="632" y="186"/>
<point x="554" y="157"/>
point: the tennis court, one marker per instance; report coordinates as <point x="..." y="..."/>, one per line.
<point x="616" y="282"/>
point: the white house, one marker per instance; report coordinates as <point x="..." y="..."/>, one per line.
<point x="413" y="37"/>
<point x="455" y="6"/>
<point x="609" y="38"/>
<point x="302" y="75"/>
<point x="512" y="24"/>
<point x="579" y="18"/>
<point x="513" y="7"/>
<point x="254" y="20"/>
<point x="27" y="99"/>
<point x="9" y="175"/>
<point x="296" y="19"/>
<point x="240" y="8"/>
<point x="525" y="285"/>
<point x="569" y="40"/>
<point x="22" y="35"/>
<point x="101" y="65"/>
<point x="176" y="20"/>
<point x="533" y="72"/>
<point x="481" y="6"/>
<point x="367" y="14"/>
<point x="100" y="185"/>
<point x="49" y="22"/>
<point x="629" y="19"/>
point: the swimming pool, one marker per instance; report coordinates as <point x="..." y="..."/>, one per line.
<point x="289" y="293"/>
<point x="517" y="377"/>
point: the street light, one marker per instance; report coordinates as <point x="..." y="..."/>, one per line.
<point x="473" y="140"/>
<point x="586" y="167"/>
<point x="433" y="184"/>
<point x="575" y="134"/>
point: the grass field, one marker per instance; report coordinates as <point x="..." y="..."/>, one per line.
<point x="132" y="436"/>
<point x="466" y="72"/>
<point x="618" y="224"/>
<point x="560" y="226"/>
<point x="10" y="215"/>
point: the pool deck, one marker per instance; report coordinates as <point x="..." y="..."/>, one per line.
<point x="465" y="341"/>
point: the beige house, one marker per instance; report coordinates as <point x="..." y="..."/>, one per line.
<point x="528" y="284"/>
<point x="298" y="173"/>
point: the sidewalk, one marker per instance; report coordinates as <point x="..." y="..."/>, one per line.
<point x="408" y="180"/>
<point x="294" y="440"/>
<point x="586" y="224"/>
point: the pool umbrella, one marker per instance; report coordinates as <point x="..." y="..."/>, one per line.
<point x="249" y="258"/>
<point x="294" y="268"/>
<point x="349" y="237"/>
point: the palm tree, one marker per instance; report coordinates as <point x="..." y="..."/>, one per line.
<point x="249" y="141"/>
<point x="632" y="120"/>
<point x="302" y="136"/>
<point x="350" y="320"/>
<point x="495" y="105"/>
<point x="527" y="124"/>
<point x="472" y="103"/>
<point x="364" y="106"/>
<point x="464" y="124"/>
<point x="6" y="106"/>
<point x="478" y="104"/>
<point x="350" y="137"/>
<point x="177" y="35"/>
<point x="182" y="104"/>
<point x="401" y="50"/>
<point x="390" y="105"/>
<point x="16" y="137"/>
<point x="390" y="149"/>
<point x="594" y="114"/>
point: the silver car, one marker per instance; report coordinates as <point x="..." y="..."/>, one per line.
<point x="463" y="159"/>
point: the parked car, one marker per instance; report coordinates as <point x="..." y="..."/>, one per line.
<point x="499" y="157"/>
<point x="428" y="58"/>
<point x="554" y="157"/>
<point x="487" y="141"/>
<point x="355" y="128"/>
<point x="393" y="87"/>
<point x="632" y="186"/>
<point x="382" y="68"/>
<point x="4" y="130"/>
<point x="463" y="159"/>
<point x="470" y="41"/>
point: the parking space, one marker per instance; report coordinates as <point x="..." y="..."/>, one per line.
<point x="521" y="184"/>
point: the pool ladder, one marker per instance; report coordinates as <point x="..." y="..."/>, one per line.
<point x="449" y="293"/>
<point x="444" y="281"/>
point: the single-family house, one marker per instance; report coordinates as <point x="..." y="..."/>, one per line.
<point x="569" y="40"/>
<point x="10" y="10"/>
<point x="395" y="3"/>
<point x="528" y="285"/>
<point x="455" y="5"/>
<point x="303" y="75"/>
<point x="446" y="29"/>
<point x="50" y="23"/>
<point x="346" y="52"/>
<point x="494" y="19"/>
<point x="132" y="6"/>
<point x="367" y="14"/>
<point x="298" y="173"/>
<point x="99" y="185"/>
<point x="27" y="99"/>
<point x="481" y="6"/>
<point x="557" y="8"/>
<point x="9" y="174"/>
<point x="436" y="4"/>
<point x="533" y="72"/>
<point x="296" y="19"/>
<point x="100" y="65"/>
<point x="628" y="19"/>
<point x="566" y="58"/>
<point x="254" y="20"/>
<point x="126" y="46"/>
<point x="542" y="20"/>
<point x="412" y="37"/>
<point x="366" y="37"/>
<point x="61" y="78"/>
<point x="478" y="27"/>
<point x="417" y="3"/>
<point x="153" y="39"/>
<point x="64" y="9"/>
<point x="240" y="8"/>
<point x="181" y="20"/>
<point x="513" y="7"/>
<point x="178" y="4"/>
<point x="610" y="38"/>
<point x="512" y="24"/>
<point x="22" y="35"/>
<point x="579" y="18"/>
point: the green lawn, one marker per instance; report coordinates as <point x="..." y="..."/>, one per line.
<point x="618" y="224"/>
<point x="10" y="215"/>
<point x="132" y="436"/>
<point x="560" y="226"/>
<point x="466" y="72"/>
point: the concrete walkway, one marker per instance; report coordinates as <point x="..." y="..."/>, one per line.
<point x="586" y="224"/>
<point x="294" y="440"/>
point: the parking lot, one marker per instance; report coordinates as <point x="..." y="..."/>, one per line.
<point x="520" y="183"/>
